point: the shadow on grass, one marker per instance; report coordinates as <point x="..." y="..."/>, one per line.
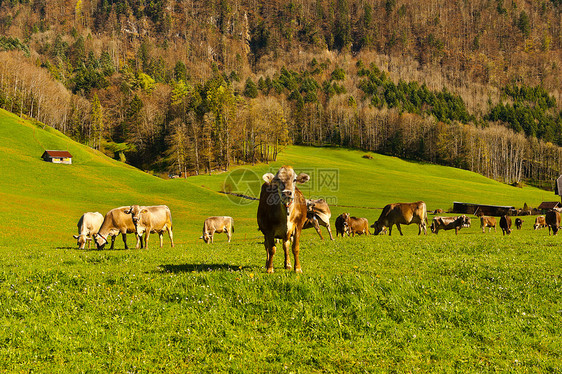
<point x="199" y="268"/>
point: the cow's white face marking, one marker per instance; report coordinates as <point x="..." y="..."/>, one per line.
<point x="100" y="241"/>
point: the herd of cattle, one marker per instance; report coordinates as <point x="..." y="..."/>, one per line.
<point x="283" y="213"/>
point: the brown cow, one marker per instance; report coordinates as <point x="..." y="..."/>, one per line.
<point x="518" y="223"/>
<point x="487" y="221"/>
<point x="552" y="219"/>
<point x="505" y="224"/>
<point x="282" y="213"/>
<point x="449" y="223"/>
<point x="358" y="226"/>
<point x="219" y="225"/>
<point x="88" y="225"/>
<point x="318" y="214"/>
<point x="116" y="221"/>
<point x="540" y="222"/>
<point x="402" y="214"/>
<point x="149" y="219"/>
<point x="341" y="224"/>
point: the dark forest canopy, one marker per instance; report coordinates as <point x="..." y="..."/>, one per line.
<point x="194" y="86"/>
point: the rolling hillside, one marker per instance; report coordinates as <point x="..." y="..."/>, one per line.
<point x="471" y="302"/>
<point x="49" y="198"/>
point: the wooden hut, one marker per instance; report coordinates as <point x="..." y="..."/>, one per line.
<point x="487" y="210"/>
<point x="549" y="205"/>
<point x="57" y="157"/>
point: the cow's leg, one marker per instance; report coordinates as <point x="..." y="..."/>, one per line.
<point x="317" y="228"/>
<point x="296" y="245"/>
<point x="286" y="245"/>
<point x="421" y="226"/>
<point x="112" y="242"/>
<point x="399" y="229"/>
<point x="161" y="235"/>
<point x="389" y="230"/>
<point x="146" y="235"/>
<point x="329" y="231"/>
<point x="139" y="241"/>
<point x="124" y="236"/>
<point x="270" y="251"/>
<point x="171" y="235"/>
<point x="228" y="235"/>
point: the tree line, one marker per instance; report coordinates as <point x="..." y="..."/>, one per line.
<point x="157" y="87"/>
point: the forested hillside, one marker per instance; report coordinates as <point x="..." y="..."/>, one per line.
<point x="193" y="86"/>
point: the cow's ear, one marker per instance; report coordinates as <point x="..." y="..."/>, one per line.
<point x="144" y="211"/>
<point x="268" y="177"/>
<point x="75" y="236"/>
<point x="303" y="178"/>
<point x="128" y="211"/>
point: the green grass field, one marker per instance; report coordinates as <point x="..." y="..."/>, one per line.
<point x="437" y="303"/>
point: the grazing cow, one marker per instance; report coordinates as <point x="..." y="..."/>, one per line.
<point x="318" y="214"/>
<point x="505" y="224"/>
<point x="358" y="226"/>
<point x="540" y="222"/>
<point x="149" y="219"/>
<point x="341" y="224"/>
<point x="518" y="223"/>
<point x="487" y="221"/>
<point x="219" y="225"/>
<point x="449" y="223"/>
<point x="282" y="213"/>
<point x="88" y="225"/>
<point x="552" y="219"/>
<point x="402" y="214"/>
<point x="116" y="221"/>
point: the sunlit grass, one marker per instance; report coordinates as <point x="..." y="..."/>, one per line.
<point x="437" y="303"/>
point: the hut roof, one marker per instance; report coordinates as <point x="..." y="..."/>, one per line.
<point x="549" y="205"/>
<point x="65" y="154"/>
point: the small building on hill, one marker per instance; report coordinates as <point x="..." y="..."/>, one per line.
<point x="57" y="157"/>
<point x="549" y="205"/>
<point x="488" y="210"/>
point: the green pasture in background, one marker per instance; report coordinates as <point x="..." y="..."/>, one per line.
<point x="437" y="303"/>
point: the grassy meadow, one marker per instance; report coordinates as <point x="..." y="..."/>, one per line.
<point x="437" y="303"/>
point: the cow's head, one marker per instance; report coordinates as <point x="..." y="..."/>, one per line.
<point x="206" y="237"/>
<point x="81" y="240"/>
<point x="100" y="241"/>
<point x="134" y="211"/>
<point x="378" y="227"/>
<point x="284" y="182"/>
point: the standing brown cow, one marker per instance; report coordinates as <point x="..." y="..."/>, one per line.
<point x="552" y="219"/>
<point x="341" y="224"/>
<point x="116" y="221"/>
<point x="505" y="224"/>
<point x="486" y="221"/>
<point x="282" y="213"/>
<point x="402" y="213"/>
<point x="358" y="226"/>
<point x="540" y="222"/>
<point x="449" y="223"/>
<point x="318" y="214"/>
<point x="152" y="219"/>
<point x="217" y="224"/>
